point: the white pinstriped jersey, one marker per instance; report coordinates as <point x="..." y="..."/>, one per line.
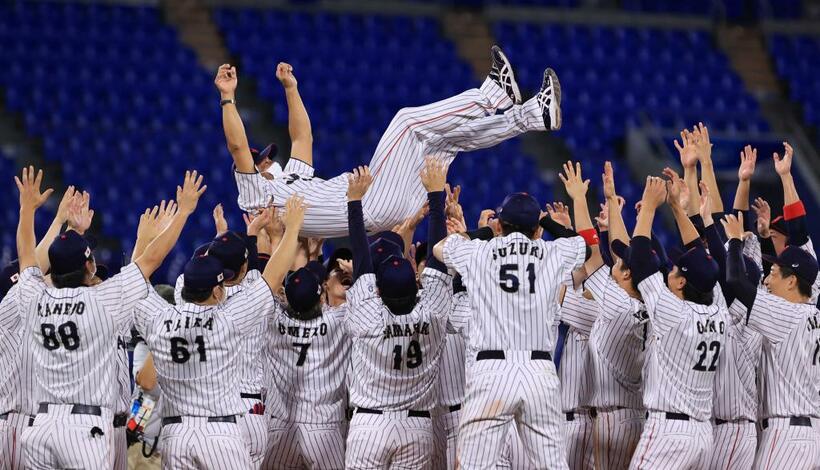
<point x="683" y="351"/>
<point x="791" y="355"/>
<point x="451" y="372"/>
<point x="735" y="385"/>
<point x="75" y="334"/>
<point x="326" y="200"/>
<point x="575" y="369"/>
<point x="122" y="387"/>
<point x="196" y="349"/>
<point x="11" y="336"/>
<point x="513" y="283"/>
<point x="252" y="368"/>
<point x="395" y="357"/>
<point x="815" y="288"/>
<point x="309" y="364"/>
<point x="617" y="343"/>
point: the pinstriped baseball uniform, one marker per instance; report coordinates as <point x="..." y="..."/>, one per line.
<point x="512" y="282"/>
<point x="395" y="367"/>
<point x="12" y="422"/>
<point x="682" y="356"/>
<point x="122" y="401"/>
<point x="75" y="335"/>
<point x="309" y="360"/>
<point x="252" y="372"/>
<point x="458" y="124"/>
<point x="617" y="351"/>
<point x="735" y="407"/>
<point x="815" y="288"/>
<point x="791" y="367"/>
<point x="197" y="354"/>
<point x="575" y="374"/>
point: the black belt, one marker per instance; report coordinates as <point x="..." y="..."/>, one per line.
<point x="252" y="396"/>
<point x="719" y="421"/>
<point x="120" y="420"/>
<point x="93" y="410"/>
<point x="211" y="419"/>
<point x="674" y="416"/>
<point x="5" y="416"/>
<point x="410" y="414"/>
<point x="593" y="413"/>
<point x="454" y="408"/>
<point x="499" y="355"/>
<point x="793" y="421"/>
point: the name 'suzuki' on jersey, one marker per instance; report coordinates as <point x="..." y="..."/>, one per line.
<point x="813" y="323"/>
<point x="60" y="308"/>
<point x="398" y="330"/>
<point x="518" y="248"/>
<point x="303" y="332"/>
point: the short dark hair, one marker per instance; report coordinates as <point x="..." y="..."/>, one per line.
<point x="695" y="296"/>
<point x="70" y="280"/>
<point x="803" y="287"/>
<point x="313" y="312"/>
<point x="507" y="229"/>
<point x="195" y="296"/>
<point x="400" y="305"/>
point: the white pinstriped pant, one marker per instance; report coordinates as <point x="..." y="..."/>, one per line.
<point x="119" y="448"/>
<point x="735" y="445"/>
<point x="197" y="444"/>
<point x="783" y="446"/>
<point x="255" y="431"/>
<point x="514" y="389"/>
<point x="580" y="450"/>
<point x="59" y="439"/>
<point x="389" y="440"/>
<point x="673" y="444"/>
<point x="442" y="129"/>
<point x="304" y="445"/>
<point x="11" y="441"/>
<point x="615" y="437"/>
<point x="445" y="432"/>
<point x="514" y="456"/>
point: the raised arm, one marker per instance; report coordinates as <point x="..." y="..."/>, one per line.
<point x="794" y="213"/>
<point x="654" y="195"/>
<point x="577" y="188"/>
<point x="736" y="281"/>
<point x="301" y="135"/>
<point x="152" y="222"/>
<point x="617" y="228"/>
<point x="704" y="150"/>
<point x="676" y="194"/>
<point x="187" y="197"/>
<point x="689" y="160"/>
<point x="748" y="159"/>
<point x="433" y="177"/>
<point x="226" y="81"/>
<point x="31" y="198"/>
<point x="357" y="184"/>
<point x="282" y="259"/>
<point x="60" y="219"/>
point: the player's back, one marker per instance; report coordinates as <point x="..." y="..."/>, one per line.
<point x="11" y="337"/>
<point x="513" y="283"/>
<point x="75" y="334"/>
<point x="309" y="362"/>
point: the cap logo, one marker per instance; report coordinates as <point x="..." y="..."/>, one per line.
<point x="684" y="268"/>
<point x="297" y="280"/>
<point x="220" y="277"/>
<point x="87" y="252"/>
<point x="395" y="262"/>
<point x="14" y="278"/>
<point x="796" y="265"/>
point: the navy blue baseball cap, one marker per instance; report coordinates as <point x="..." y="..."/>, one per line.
<point x="339" y="253"/>
<point x="69" y="252"/>
<point x="779" y="225"/>
<point x="268" y="152"/>
<point x="699" y="269"/>
<point x="798" y="260"/>
<point x="389" y="236"/>
<point x="205" y="272"/>
<point x="201" y="250"/>
<point x="383" y="248"/>
<point x="318" y="270"/>
<point x="519" y="209"/>
<point x="230" y="248"/>
<point x="396" y="279"/>
<point x="623" y="251"/>
<point x="303" y="289"/>
<point x="9" y="277"/>
<point x="752" y="270"/>
<point x="103" y="272"/>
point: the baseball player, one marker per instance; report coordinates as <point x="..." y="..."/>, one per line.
<point x="398" y="335"/>
<point x="684" y="347"/>
<point x="196" y="351"/>
<point x="74" y="328"/>
<point x="513" y="283"/>
<point x="309" y="350"/>
<point x="12" y="422"/>
<point x="461" y="123"/>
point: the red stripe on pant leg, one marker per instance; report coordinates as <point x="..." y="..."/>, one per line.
<point x="771" y="450"/>
<point x="734" y="446"/>
<point x="648" y="442"/>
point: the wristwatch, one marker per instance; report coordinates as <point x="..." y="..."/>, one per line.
<point x="228" y="101"/>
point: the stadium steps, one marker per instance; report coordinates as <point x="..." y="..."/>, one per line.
<point x="193" y="21"/>
<point x="747" y="53"/>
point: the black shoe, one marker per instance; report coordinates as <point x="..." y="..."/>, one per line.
<point x="549" y="98"/>
<point x="502" y="74"/>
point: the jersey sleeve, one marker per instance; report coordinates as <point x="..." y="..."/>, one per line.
<point x="146" y="310"/>
<point x="458" y="253"/>
<point x="437" y="292"/>
<point x="572" y="253"/>
<point x="578" y="312"/>
<point x="121" y="293"/>
<point x="362" y="304"/>
<point x="460" y="315"/>
<point x="141" y="352"/>
<point x="773" y="317"/>
<point x="29" y="288"/>
<point x="10" y="319"/>
<point x="294" y="165"/>
<point x="255" y="191"/>
<point x="249" y="309"/>
<point x="178" y="289"/>
<point x="662" y="306"/>
<point x="609" y="296"/>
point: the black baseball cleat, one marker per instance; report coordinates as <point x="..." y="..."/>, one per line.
<point x="549" y="99"/>
<point x="502" y="74"/>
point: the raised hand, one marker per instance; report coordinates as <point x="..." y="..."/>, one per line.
<point x="576" y="186"/>
<point x="484" y="217"/>
<point x="358" y="181"/>
<point x="31" y="198"/>
<point x="284" y="73"/>
<point x="764" y="217"/>
<point x="226" y="80"/>
<point x="703" y="145"/>
<point x="294" y="213"/>
<point x="455" y="225"/>
<point x="275" y="228"/>
<point x="678" y="194"/>
<point x="434" y="175"/>
<point x="705" y="207"/>
<point x="154" y="220"/>
<point x="188" y="195"/>
<point x="783" y="166"/>
<point x="602" y="220"/>
<point x="608" y="179"/>
<point x="65" y="204"/>
<point x="451" y="204"/>
<point x="80" y="214"/>
<point x="559" y="212"/>
<point x="256" y="222"/>
<point x="654" y="193"/>
<point x="733" y="225"/>
<point x="688" y="151"/>
<point x="219" y="219"/>
<point x="748" y="158"/>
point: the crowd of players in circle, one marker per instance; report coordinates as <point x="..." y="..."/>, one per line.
<point x="536" y="339"/>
